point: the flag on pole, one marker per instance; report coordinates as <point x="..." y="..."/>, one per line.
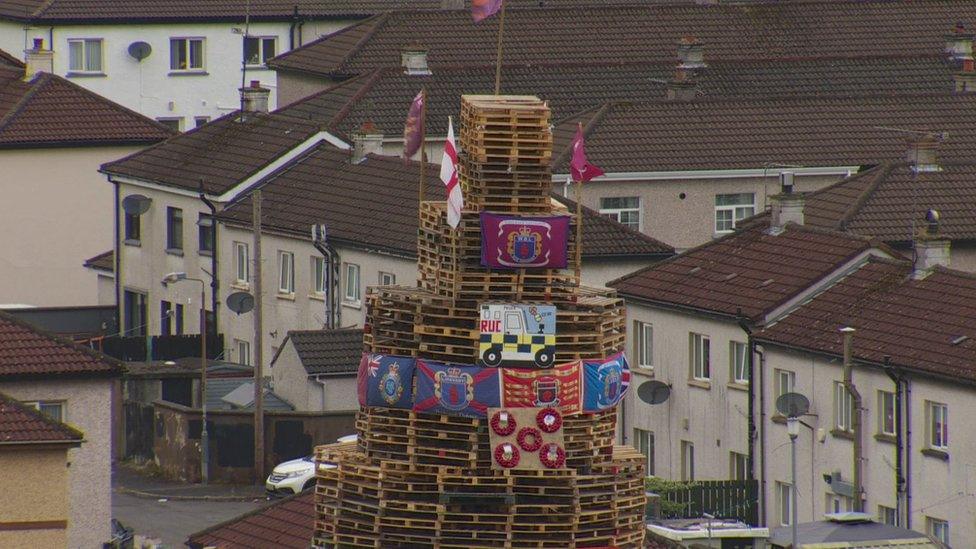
<point x="449" y="175"/>
<point x="581" y="168"/>
<point x="483" y="9"/>
<point x="413" y="131"/>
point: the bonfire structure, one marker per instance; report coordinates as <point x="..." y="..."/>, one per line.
<point x="489" y="391"/>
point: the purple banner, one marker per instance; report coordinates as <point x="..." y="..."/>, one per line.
<point x="509" y="242"/>
<point x="456" y="390"/>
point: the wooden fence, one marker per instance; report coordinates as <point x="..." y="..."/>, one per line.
<point x="731" y="499"/>
<point x="161" y="347"/>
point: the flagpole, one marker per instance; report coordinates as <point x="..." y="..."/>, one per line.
<point x="498" y="56"/>
<point x="423" y="145"/>
<point x="579" y="230"/>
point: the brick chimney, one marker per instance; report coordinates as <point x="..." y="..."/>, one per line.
<point x="691" y="64"/>
<point x="959" y="44"/>
<point x="368" y="140"/>
<point x="38" y="60"/>
<point x="931" y="248"/>
<point x="413" y="59"/>
<point x="922" y="154"/>
<point x="786" y="207"/>
<point x="254" y="98"/>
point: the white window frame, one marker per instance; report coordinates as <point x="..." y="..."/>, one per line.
<point x="243" y="351"/>
<point x="318" y="275"/>
<point x="644" y="443"/>
<point x="938" y="425"/>
<point x="837" y="503"/>
<point x="738" y="463"/>
<point x="738" y="211"/>
<point x="884" y="512"/>
<point x="687" y="460"/>
<point x="644" y="343"/>
<point x="938" y="529"/>
<point x="739" y="362"/>
<point x="242" y="253"/>
<point x="617" y="214"/>
<point x="843" y="408"/>
<point x="386" y="279"/>
<point x="784" y="497"/>
<point x="86" y="44"/>
<point x="784" y="377"/>
<point x="286" y="273"/>
<point x="186" y="46"/>
<point x="700" y="356"/>
<point x="262" y="58"/>
<point x="886" y="413"/>
<point x="39" y="405"/>
<point x="351" y="293"/>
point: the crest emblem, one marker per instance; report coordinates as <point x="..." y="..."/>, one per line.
<point x="525" y="245"/>
<point x="611" y="375"/>
<point x="391" y="387"/>
<point x="454" y="390"/>
<point x="546" y="391"/>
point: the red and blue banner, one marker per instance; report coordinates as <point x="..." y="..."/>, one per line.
<point x="456" y="390"/>
<point x="557" y="387"/>
<point x="606" y="382"/>
<point x="510" y="242"/>
<point x="386" y="381"/>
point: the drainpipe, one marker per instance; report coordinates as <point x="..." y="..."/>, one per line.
<point x="291" y="28"/>
<point x="762" y="435"/>
<point x="856" y="419"/>
<point x="908" y="452"/>
<point x="898" y="378"/>
<point x="118" y="260"/>
<point x="321" y="383"/>
<point x="214" y="279"/>
<point x="751" y="346"/>
<point x="332" y="316"/>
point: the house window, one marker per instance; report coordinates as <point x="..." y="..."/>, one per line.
<point x="178" y="318"/>
<point x="52" y="409"/>
<point x="200" y="121"/>
<point x="165" y="318"/>
<point x="186" y="54"/>
<point x="644" y="343"/>
<point x="258" y="49"/>
<point x="243" y="351"/>
<point x="739" y="362"/>
<point x="738" y="466"/>
<point x="938" y="426"/>
<point x="887" y="515"/>
<point x="174" y="229"/>
<point x="644" y="443"/>
<point x="243" y="263"/>
<point x="623" y="210"/>
<point x="938" y="529"/>
<point x="700" y="357"/>
<point x="839" y="504"/>
<point x="286" y="272"/>
<point x="732" y="208"/>
<point x="133" y="228"/>
<point x="134" y="304"/>
<point x="785" y="381"/>
<point x="352" y="294"/>
<point x="85" y="55"/>
<point x="687" y="460"/>
<point x="205" y="223"/>
<point x="843" y="408"/>
<point x="784" y="496"/>
<point x="886" y="413"/>
<point x="318" y="275"/>
<point x="173" y="123"/>
<point x="387" y="279"/>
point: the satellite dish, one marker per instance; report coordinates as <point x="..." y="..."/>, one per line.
<point x="136" y="204"/>
<point x="240" y="302"/>
<point x="139" y="50"/>
<point x="792" y="405"/>
<point x="654" y="392"/>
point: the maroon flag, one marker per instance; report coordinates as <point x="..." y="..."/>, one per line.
<point x="581" y="168"/>
<point x="483" y="9"/>
<point x="413" y="131"/>
<point x="510" y="242"/>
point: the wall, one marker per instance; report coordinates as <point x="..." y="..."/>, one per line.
<point x="56" y="212"/>
<point x="307" y="393"/>
<point x="941" y="489"/>
<point x="37" y="493"/>
<point x="293" y="86"/>
<point x="89" y="409"/>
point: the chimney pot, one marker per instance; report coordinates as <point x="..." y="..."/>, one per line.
<point x="786" y="182"/>
<point x="414" y="61"/>
<point x="255" y="83"/>
<point x="959" y="44"/>
<point x="38" y="44"/>
<point x="254" y="98"/>
<point x="368" y="140"/>
<point x="931" y="248"/>
<point x="38" y="60"/>
<point x="786" y="207"/>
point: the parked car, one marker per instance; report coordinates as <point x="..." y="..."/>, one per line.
<point x="296" y="475"/>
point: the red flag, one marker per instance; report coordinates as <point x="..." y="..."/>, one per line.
<point x="413" y="131"/>
<point x="449" y="176"/>
<point x="483" y="9"/>
<point x="581" y="168"/>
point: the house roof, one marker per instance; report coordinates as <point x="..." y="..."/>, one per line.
<point x="286" y="524"/>
<point x="886" y="201"/>
<point x="831" y="532"/>
<point x="373" y="205"/>
<point x="104" y="261"/>
<point x="926" y="325"/>
<point x="230" y="393"/>
<point x="24" y="424"/>
<point x="9" y="60"/>
<point x="328" y="352"/>
<point x="28" y="353"/>
<point x="748" y="273"/>
<point x="50" y="111"/>
<point x="640" y="33"/>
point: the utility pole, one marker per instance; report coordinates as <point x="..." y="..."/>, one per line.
<point x="258" y="345"/>
<point x="855" y="416"/>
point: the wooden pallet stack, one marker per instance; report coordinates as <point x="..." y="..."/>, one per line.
<point x="418" y="479"/>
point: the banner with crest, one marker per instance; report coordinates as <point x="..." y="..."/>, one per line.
<point x="606" y="382"/>
<point x="456" y="390"/>
<point x="510" y="242"/>
<point x="558" y="387"/>
<point x="386" y="381"/>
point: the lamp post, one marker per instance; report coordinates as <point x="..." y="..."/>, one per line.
<point x="172" y="278"/>
<point x="793" y="429"/>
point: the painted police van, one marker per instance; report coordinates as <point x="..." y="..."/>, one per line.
<point x="517" y="335"/>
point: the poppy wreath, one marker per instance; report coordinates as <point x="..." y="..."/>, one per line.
<point x="507" y="461"/>
<point x="552" y="456"/>
<point x="503" y="429"/>
<point x="529" y="439"/>
<point x="549" y="420"/>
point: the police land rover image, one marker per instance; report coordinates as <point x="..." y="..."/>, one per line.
<point x="517" y="335"/>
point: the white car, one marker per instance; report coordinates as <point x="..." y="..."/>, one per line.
<point x="297" y="475"/>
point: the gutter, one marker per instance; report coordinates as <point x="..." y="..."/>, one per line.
<point x="714" y="174"/>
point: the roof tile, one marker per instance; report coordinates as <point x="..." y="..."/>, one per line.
<point x="27" y="353"/>
<point x="328" y="351"/>
<point x="285" y="524"/>
<point x="24" y="424"/>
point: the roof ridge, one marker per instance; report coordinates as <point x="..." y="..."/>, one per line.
<point x="599" y="113"/>
<point x="261" y="509"/>
<point x="377" y="22"/>
<point x="46" y="5"/>
<point x="63" y="341"/>
<point x="367" y="86"/>
<point x="35" y="84"/>
<point x="37" y="414"/>
<point x="855" y="207"/>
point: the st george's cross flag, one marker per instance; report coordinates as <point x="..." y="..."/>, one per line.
<point x="580" y="167"/>
<point x="449" y="175"/>
<point x="483" y="9"/>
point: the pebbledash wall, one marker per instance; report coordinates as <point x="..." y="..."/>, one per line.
<point x="327" y="393"/>
<point x="87" y="407"/>
<point x="37" y="493"/>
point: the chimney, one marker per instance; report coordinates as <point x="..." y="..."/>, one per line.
<point x="959" y="44"/>
<point x="452" y="4"/>
<point x="965" y="78"/>
<point x="786" y="207"/>
<point x="254" y="98"/>
<point x="414" y="61"/>
<point x="922" y="154"/>
<point x="38" y="60"/>
<point x="691" y="63"/>
<point x="931" y="249"/>
<point x="366" y="141"/>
